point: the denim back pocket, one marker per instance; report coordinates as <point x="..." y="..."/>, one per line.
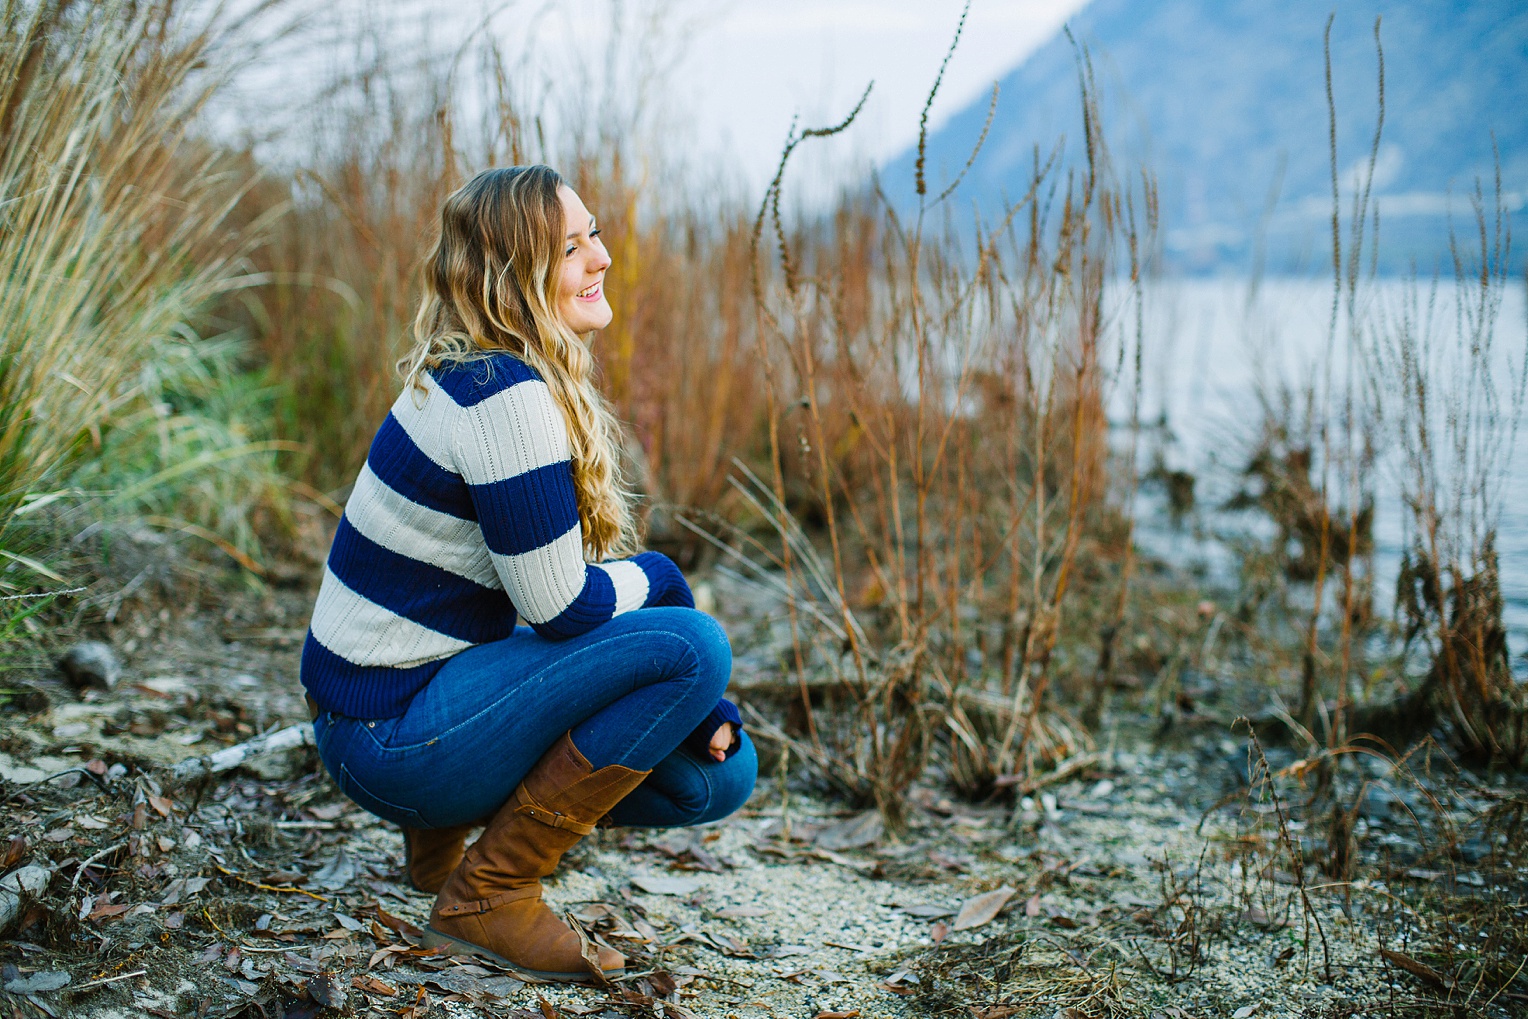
<point x="401" y="815"/>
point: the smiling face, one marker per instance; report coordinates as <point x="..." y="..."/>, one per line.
<point x="581" y="284"/>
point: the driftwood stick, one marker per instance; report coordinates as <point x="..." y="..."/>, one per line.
<point x="228" y="758"/>
<point x="1066" y="769"/>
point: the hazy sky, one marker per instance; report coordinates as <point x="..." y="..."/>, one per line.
<point x="753" y="64"/>
<point x="730" y="74"/>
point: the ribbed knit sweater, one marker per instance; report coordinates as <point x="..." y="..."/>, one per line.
<point x="464" y="517"/>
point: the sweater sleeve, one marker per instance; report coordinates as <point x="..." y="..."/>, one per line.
<point x="699" y="740"/>
<point x="511" y="445"/>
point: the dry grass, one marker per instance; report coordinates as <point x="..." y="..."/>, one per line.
<point x="116" y="240"/>
<point x="936" y="405"/>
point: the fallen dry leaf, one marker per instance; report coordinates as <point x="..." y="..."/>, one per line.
<point x="371" y="985"/>
<point x="326" y="990"/>
<point x="1032" y="907"/>
<point x="162" y="805"/>
<point x="1415" y="967"/>
<point x="662" y="884"/>
<point x="399" y="925"/>
<point x="929" y="911"/>
<point x="852" y="1014"/>
<point x="940" y="931"/>
<point x="741" y="912"/>
<point x="981" y="909"/>
<point x="106" y="910"/>
<point x="1060" y="919"/>
<point x="385" y="954"/>
<point x="420" y="1006"/>
<point x="855" y="832"/>
<point x="15" y="852"/>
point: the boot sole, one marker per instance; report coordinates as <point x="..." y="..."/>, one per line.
<point x="435" y="939"/>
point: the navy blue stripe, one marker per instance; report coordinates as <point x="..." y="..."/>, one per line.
<point x="358" y="691"/>
<point x="472" y="382"/>
<point x="404" y="467"/>
<point x="594" y="605"/>
<point x="528" y="510"/>
<point x="666" y="586"/>
<point x="426" y="594"/>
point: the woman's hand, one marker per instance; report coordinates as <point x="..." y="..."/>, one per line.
<point x="721" y="742"/>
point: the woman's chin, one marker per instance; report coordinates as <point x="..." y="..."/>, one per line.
<point x="591" y="319"/>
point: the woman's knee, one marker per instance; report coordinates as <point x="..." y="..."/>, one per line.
<point x="708" y="643"/>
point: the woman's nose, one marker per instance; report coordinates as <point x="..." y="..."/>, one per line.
<point x="601" y="260"/>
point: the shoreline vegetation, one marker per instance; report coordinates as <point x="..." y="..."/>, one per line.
<point x="902" y="456"/>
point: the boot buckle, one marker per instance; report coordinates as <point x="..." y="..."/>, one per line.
<point x="554" y="818"/>
<point x="492" y="902"/>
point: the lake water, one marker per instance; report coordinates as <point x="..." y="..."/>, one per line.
<point x="1212" y="345"/>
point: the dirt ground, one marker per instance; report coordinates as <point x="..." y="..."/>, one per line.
<point x="1149" y="881"/>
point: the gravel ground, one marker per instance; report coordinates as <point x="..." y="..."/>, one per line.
<point x="261" y="892"/>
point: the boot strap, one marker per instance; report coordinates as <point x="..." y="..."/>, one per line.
<point x="492" y="902"/>
<point x="554" y="819"/>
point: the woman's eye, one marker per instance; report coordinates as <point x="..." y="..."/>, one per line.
<point x="571" y="248"/>
<point x="594" y="233"/>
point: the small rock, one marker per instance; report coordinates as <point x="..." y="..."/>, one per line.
<point x="91" y="664"/>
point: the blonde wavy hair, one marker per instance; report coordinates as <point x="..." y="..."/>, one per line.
<point x="490" y="285"/>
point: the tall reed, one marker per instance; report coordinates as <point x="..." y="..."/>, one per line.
<point x="112" y="225"/>
<point x="1454" y="401"/>
<point x="937" y="407"/>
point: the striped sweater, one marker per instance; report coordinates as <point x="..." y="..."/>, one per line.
<point x="464" y="517"/>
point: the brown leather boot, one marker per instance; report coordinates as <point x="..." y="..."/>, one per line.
<point x="431" y="854"/>
<point x="491" y="904"/>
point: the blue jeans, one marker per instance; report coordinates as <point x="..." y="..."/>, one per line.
<point x="630" y="691"/>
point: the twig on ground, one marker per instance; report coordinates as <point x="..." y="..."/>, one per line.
<point x="232" y="757"/>
<point x="79" y="871"/>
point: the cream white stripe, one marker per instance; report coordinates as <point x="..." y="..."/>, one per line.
<point x="364" y="633"/>
<point x="516" y="430"/>
<point x="546" y="580"/>
<point x="400" y="525"/>
<point x="428" y="418"/>
<point x="630" y="585"/>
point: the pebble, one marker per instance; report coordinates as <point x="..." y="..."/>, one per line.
<point x="91" y="664"/>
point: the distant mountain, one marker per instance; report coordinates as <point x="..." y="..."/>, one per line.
<point x="1225" y="100"/>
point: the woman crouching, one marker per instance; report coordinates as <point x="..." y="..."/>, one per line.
<point x="492" y="492"/>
